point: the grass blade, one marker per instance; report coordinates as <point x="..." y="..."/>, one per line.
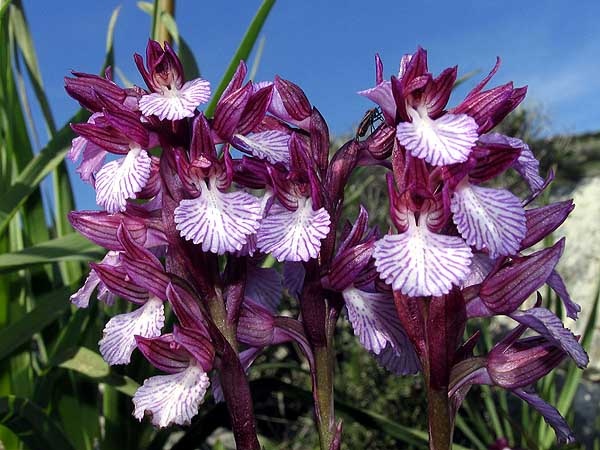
<point x="242" y="52"/>
<point x="33" y="426"/>
<point x="71" y="247"/>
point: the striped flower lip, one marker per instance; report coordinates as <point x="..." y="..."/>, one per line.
<point x="419" y="262"/>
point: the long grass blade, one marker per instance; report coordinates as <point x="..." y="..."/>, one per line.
<point x="242" y="52"/>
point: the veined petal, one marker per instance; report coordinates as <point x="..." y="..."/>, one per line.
<point x="550" y="415"/>
<point x="528" y="167"/>
<point x="489" y="218"/>
<point x="293" y="235"/>
<point x="382" y="95"/>
<point x="445" y="140"/>
<point x="420" y="263"/>
<point x="481" y="266"/>
<point x="81" y="298"/>
<point x="175" y="104"/>
<point x="172" y="398"/>
<point x="121" y="179"/>
<point x="271" y="145"/>
<point x="119" y="333"/>
<point x="220" y="221"/>
<point x="264" y="286"/>
<point x="373" y="317"/>
<point x="403" y="362"/>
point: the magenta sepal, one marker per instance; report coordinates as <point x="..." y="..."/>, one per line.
<point x="118" y="282"/>
<point x="101" y="227"/>
<point x="293" y="98"/>
<point x="164" y="353"/>
<point x="544" y="220"/>
<point x="87" y="88"/>
<point x="229" y="111"/>
<point x="255" y="110"/>
<point x="506" y="289"/>
<point x="319" y="141"/>
<point x="186" y="305"/>
<point x="493" y="154"/>
<point x="198" y="345"/>
<point x="347" y="265"/>
<point x="255" y="325"/>
<point x="557" y="284"/>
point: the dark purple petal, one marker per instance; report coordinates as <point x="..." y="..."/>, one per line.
<point x="164" y="353"/>
<point x="551" y="415"/>
<point x="543" y="221"/>
<point x="505" y="290"/>
<point x="557" y="284"/>
<point x="293" y="98"/>
<point x="117" y="282"/>
<point x="263" y="286"/>
<point x="494" y="153"/>
<point x="86" y="88"/>
<point x="319" y="140"/>
<point x="293" y="278"/>
<point x="198" y="345"/>
<point x="255" y="110"/>
<point x="255" y="325"/>
<point x="186" y="306"/>
<point x="101" y="227"/>
<point x="551" y="327"/>
<point x="229" y="111"/>
<point x="348" y="264"/>
<point x="438" y="92"/>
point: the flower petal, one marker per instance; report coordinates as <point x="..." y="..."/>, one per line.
<point x="271" y="145"/>
<point x="119" y="333"/>
<point x="176" y="104"/>
<point x="445" y="140"/>
<point x="220" y="221"/>
<point x="403" y="362"/>
<point x="551" y="327"/>
<point x="382" y="95"/>
<point x="375" y="321"/>
<point x="419" y="262"/>
<point x="489" y="218"/>
<point x="264" y="286"/>
<point x="293" y="235"/>
<point x="121" y="179"/>
<point x="81" y="298"/>
<point x="172" y="398"/>
<point x="528" y="166"/>
<point x="550" y="414"/>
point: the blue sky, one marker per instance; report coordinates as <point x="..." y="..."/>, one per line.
<point x="327" y="47"/>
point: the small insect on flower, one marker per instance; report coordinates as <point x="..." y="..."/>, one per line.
<point x="371" y="117"/>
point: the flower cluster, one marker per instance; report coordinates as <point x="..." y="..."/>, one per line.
<point x="461" y="248"/>
<point x="192" y="206"/>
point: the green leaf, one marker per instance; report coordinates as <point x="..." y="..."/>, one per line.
<point x="71" y="247"/>
<point x="190" y="66"/>
<point x="32" y="425"/>
<point x="49" y="308"/>
<point x="242" y="52"/>
<point x="89" y="363"/>
<point x="40" y="166"/>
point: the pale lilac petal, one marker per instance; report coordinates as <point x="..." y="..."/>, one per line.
<point x="81" y="298"/>
<point x="220" y="221"/>
<point x="420" y="263"/>
<point x="551" y="327"/>
<point x="118" y="340"/>
<point x="550" y="414"/>
<point x="92" y="162"/>
<point x="121" y="179"/>
<point x="77" y="147"/>
<point x="264" y="286"/>
<point x="293" y="235"/>
<point x="172" y="399"/>
<point x="403" y="362"/>
<point x="528" y="167"/>
<point x="175" y="104"/>
<point x="489" y="218"/>
<point x="445" y="140"/>
<point x="271" y="145"/>
<point x="373" y="317"/>
<point x="382" y="95"/>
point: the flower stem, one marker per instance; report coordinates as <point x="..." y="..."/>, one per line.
<point x="440" y="427"/>
<point x="323" y="392"/>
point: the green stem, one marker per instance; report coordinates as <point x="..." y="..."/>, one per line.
<point x="324" y="396"/>
<point x="440" y="427"/>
